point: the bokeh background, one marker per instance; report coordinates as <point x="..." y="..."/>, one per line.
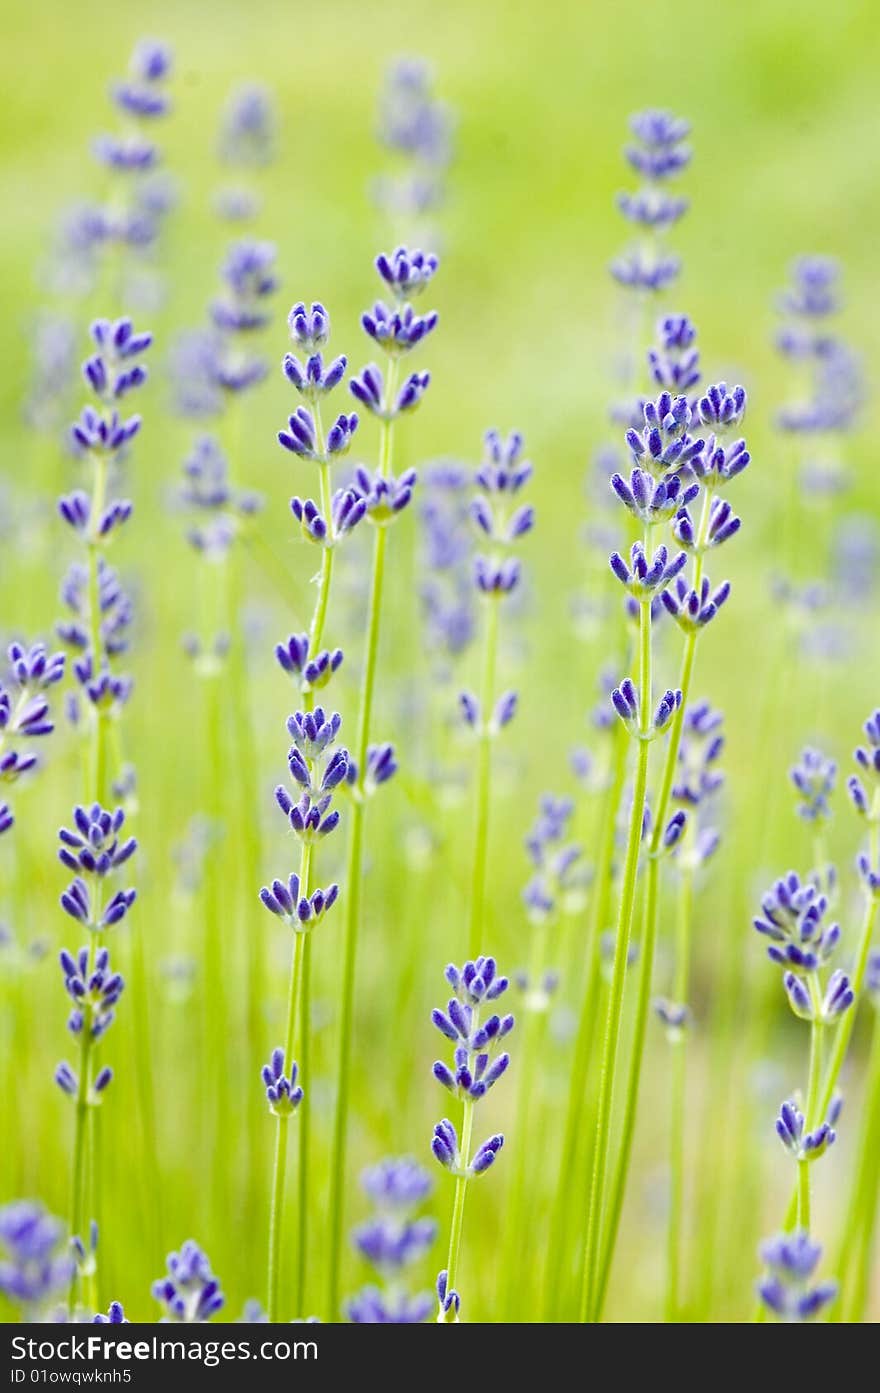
<point x="785" y="110"/>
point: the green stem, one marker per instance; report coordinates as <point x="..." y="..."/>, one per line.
<point x="596" y="1210"/>
<point x="587" y="1021"/>
<point x="518" y="1215"/>
<point x="304" y="1120"/>
<point x="279" y="1173"/>
<point x="678" y="1098"/>
<point x="455" y="1230"/>
<point x="645" y="973"/>
<point x="354" y="875"/>
<point x="842" y="1034"/>
<point x="276" y="1215"/>
<point x="857" y="1244"/>
<point x="80" y="1137"/>
<point x="484" y="780"/>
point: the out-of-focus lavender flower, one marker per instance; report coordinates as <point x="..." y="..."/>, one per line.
<point x="417" y="130"/>
<point x="864" y="787"/>
<point x="393" y="1239"/>
<point x="814" y="777"/>
<point x="559" y="879"/>
<point x="221" y="509"/>
<point x="52" y="342"/>
<point x="659" y="154"/>
<point x="786" y="1291"/>
<point x="190" y="1292"/>
<point x="248" y="276"/>
<point x="25" y="712"/>
<point x="675" y="361"/>
<point x="115" y="1315"/>
<point x="248" y="127"/>
<point x="445" y="552"/>
<point x="33" y="1265"/>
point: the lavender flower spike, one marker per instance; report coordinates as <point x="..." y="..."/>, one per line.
<point x="190" y="1292"/>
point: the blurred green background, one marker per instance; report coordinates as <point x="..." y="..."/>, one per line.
<point x="784" y="103"/>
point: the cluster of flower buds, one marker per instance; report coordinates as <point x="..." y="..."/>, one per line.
<point x="24" y="711"/>
<point x="417" y="128"/>
<point x="477" y="1062"/>
<point x="814" y="777"/>
<point x="559" y="879"/>
<point x="189" y="1292"/>
<point x="627" y="704"/>
<point x="791" y="1128"/>
<point x="141" y="98"/>
<point x="283" y="1093"/>
<point x="221" y="510"/>
<point x="791" y="1260"/>
<point x="94" y="849"/>
<point x="392" y="1240"/>
<point x="247" y="143"/>
<point x="698" y="781"/>
<point x="793" y="918"/>
<point x="35" y="1266"/>
<point x="318" y="767"/>
<point x="660" y="153"/>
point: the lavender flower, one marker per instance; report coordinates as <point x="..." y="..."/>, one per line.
<point x="94" y="990"/>
<point x="803" y="1145"/>
<point x="115" y="1315"/>
<point x="282" y="1091"/>
<point x="417" y="129"/>
<point x="660" y="154"/>
<point x="33" y="1265"/>
<point x="247" y="134"/>
<point x="814" y="778"/>
<point x="392" y="1240"/>
<point x="864" y="788"/>
<point x="190" y="1292"/>
<point x="477" y="1062"/>
<point x="791" y="1260"/>
<point x="24" y="711"/>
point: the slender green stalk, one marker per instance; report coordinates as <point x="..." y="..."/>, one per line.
<point x="518" y="1215"/>
<point x="476" y="919"/>
<point x="279" y="1173"/>
<point x="678" y="1066"/>
<point x="650" y="937"/>
<point x="842" y="1033"/>
<point x="455" y="1231"/>
<point x="586" y="1033"/>
<point x="80" y="1139"/>
<point x="857" y="1244"/>
<point x="97" y="786"/>
<point x="354" y="875"/>
<point x="596" y="1208"/>
<point x="811" y="1120"/>
<point x="316" y="632"/>
<point x="304" y="1049"/>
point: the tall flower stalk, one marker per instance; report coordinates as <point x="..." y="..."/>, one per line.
<point x="666" y="457"/>
<point x="301" y="656"/>
<point x="478" y="1064"/>
<point x="396" y="331"/>
<point x="94" y="849"/>
<point x="501" y="521"/>
<point x="557" y="880"/>
<point x="698" y="780"/>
